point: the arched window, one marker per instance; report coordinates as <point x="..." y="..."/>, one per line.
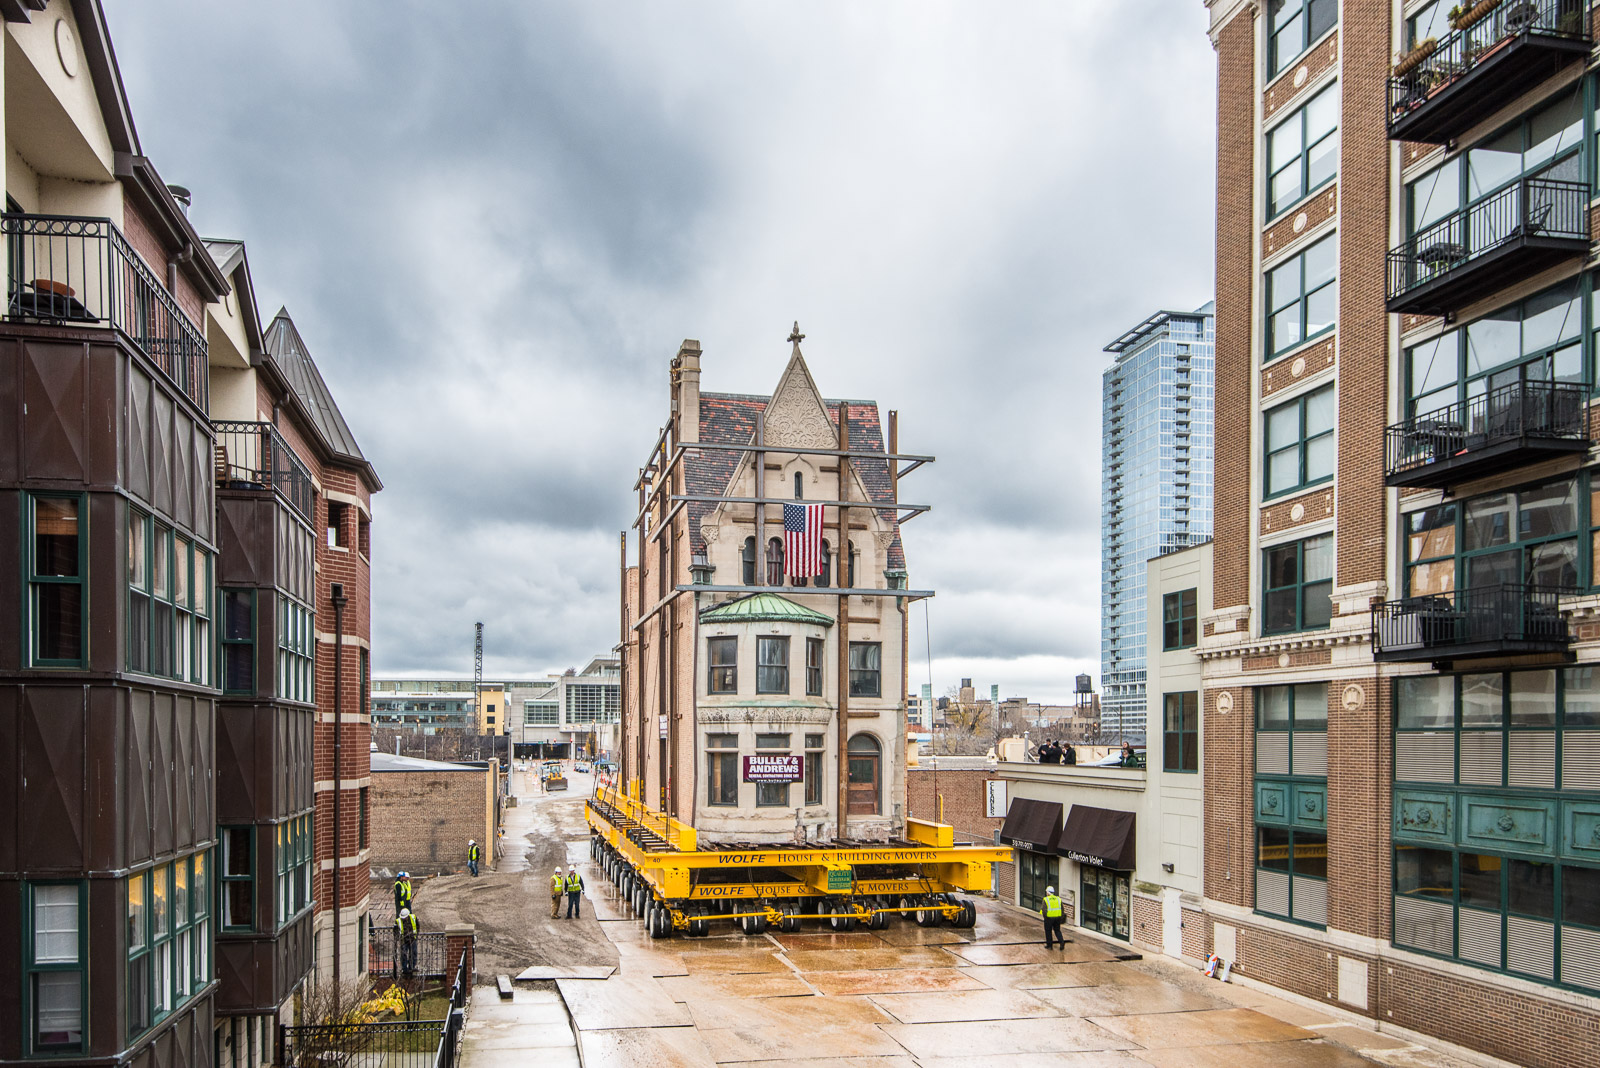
<point x="799" y="486"/>
<point x="775" y="562"/>
<point x="748" y="558"/>
<point x="851" y="570"/>
<point x="825" y="577"/>
<point x="865" y="757"/>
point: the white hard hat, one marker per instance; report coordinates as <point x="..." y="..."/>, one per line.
<point x="405" y="875"/>
<point x="472" y="841"/>
<point x="404" y="913"/>
<point x="1049" y="889"/>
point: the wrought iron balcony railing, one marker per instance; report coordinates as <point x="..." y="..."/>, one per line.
<point x="1495" y="620"/>
<point x="254" y="456"/>
<point x="1521" y="230"/>
<point x="1472" y="71"/>
<point x="74" y="270"/>
<point x="1506" y="427"/>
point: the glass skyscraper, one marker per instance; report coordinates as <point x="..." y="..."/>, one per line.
<point x="1158" y="400"/>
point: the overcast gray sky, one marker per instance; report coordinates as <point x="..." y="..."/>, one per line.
<point x="494" y="222"/>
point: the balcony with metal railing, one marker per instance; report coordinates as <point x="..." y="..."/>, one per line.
<point x="1516" y="424"/>
<point x="254" y="456"/>
<point x="1512" y="47"/>
<point x="1498" y="620"/>
<point x="1527" y="227"/>
<point x="76" y="271"/>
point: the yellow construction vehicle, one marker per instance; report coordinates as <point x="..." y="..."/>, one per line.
<point x="675" y="885"/>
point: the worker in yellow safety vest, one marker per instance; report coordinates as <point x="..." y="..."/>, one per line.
<point x="402" y="891"/>
<point x="1052" y="912"/>
<point x="472" y="856"/>
<point x="574" y="891"/>
<point x="405" y="930"/>
<point x="558" y="886"/>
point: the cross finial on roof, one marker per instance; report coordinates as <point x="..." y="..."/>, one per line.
<point x="796" y="336"/>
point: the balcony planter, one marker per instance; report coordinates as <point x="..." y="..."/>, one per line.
<point x="1465" y="18"/>
<point x="1412" y="59"/>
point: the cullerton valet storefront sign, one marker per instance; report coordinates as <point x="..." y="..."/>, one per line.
<point x="777" y="767"/>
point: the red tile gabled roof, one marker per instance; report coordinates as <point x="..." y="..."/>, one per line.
<point x="730" y="419"/>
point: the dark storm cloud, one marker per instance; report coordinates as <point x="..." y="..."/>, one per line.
<point x="493" y="223"/>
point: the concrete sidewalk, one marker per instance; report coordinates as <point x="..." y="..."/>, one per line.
<point x="530" y="1029"/>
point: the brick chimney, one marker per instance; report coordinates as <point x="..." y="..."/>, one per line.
<point x="686" y="391"/>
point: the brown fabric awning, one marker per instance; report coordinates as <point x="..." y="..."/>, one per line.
<point x="1102" y="837"/>
<point x="1032" y="824"/>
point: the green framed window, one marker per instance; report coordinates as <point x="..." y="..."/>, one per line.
<point x="772" y="664"/>
<point x="139" y="590"/>
<point x="200" y="608"/>
<point x="1535" y="917"/>
<point x="237" y="878"/>
<point x="200" y="917"/>
<point x="138" y="892"/>
<point x="1299" y="440"/>
<point x="170" y="608"/>
<point x="1529" y="536"/>
<point x="1292" y="874"/>
<point x="816" y="748"/>
<point x="866" y="663"/>
<point x="55" y="966"/>
<point x="56" y="565"/>
<point x="1179" y="618"/>
<point x="296" y="651"/>
<point x="161" y="951"/>
<point x="1534" y="341"/>
<point x="1291" y="785"/>
<point x="1547" y="143"/>
<point x="1535" y="730"/>
<point x="722" y="769"/>
<point x="1180" y="734"/>
<point x="772" y="794"/>
<point x="1297" y="585"/>
<point x="814" y="653"/>
<point x="1303" y="152"/>
<point x="238" y="640"/>
<point x="1302" y="297"/>
<point x="294" y="867"/>
<point x="722" y="665"/>
<point x="1293" y="26"/>
<point x="162" y="658"/>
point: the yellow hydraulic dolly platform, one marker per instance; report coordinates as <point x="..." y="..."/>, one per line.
<point x="675" y="885"/>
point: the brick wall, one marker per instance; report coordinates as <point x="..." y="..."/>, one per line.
<point x="1147" y="927"/>
<point x="1229" y="809"/>
<point x="1360" y="541"/>
<point x="964" y="793"/>
<point x="1236" y="240"/>
<point x="348" y="567"/>
<point x="1308" y="361"/>
<point x="1517" y="1028"/>
<point x="422" y="820"/>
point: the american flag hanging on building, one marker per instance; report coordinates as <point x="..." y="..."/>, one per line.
<point x="802" y="540"/>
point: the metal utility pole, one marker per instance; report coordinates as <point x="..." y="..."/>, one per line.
<point x="477" y="672"/>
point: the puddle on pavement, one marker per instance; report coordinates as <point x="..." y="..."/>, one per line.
<point x="896" y="981"/>
<point x="1207" y="1028"/>
<point x="964" y="1005"/>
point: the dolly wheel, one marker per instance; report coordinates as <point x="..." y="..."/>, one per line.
<point x="791" y="919"/>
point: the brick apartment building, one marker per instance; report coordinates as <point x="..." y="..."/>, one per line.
<point x="344" y="482"/>
<point x="165" y="485"/>
<point x="1399" y="744"/>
